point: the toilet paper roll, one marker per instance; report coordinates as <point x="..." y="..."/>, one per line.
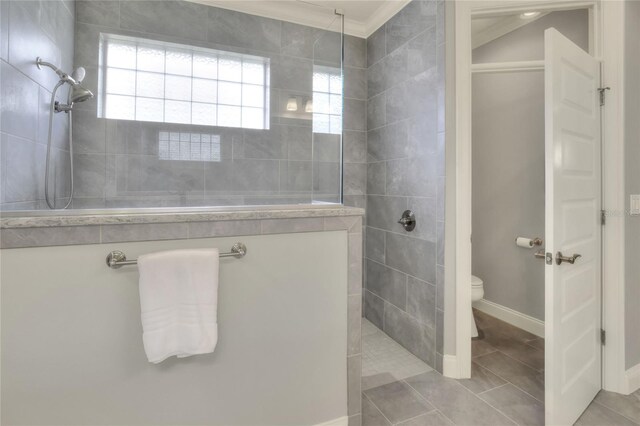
<point x="524" y="242"/>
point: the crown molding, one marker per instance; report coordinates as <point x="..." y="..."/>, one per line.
<point x="312" y="15"/>
<point x="385" y="12"/>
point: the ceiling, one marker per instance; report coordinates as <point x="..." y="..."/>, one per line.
<point x="488" y="28"/>
<point x="362" y="17"/>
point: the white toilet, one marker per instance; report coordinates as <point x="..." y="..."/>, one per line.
<point x="477" y="293"/>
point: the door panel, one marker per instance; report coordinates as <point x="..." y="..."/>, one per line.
<point x="572" y="215"/>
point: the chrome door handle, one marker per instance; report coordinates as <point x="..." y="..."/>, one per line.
<point x="560" y="258"/>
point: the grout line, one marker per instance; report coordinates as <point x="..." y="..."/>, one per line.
<point x="376" y="407"/>
<point x="498" y="410"/>
<point x="398" y="270"/>
<point x="508" y="381"/>
<point x="615" y="411"/>
<point x="499" y="386"/>
<point x="478" y="398"/>
<point x="430" y="403"/>
<point x="403" y="311"/>
<point x="418" y="416"/>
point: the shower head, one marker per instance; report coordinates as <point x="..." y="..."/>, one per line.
<point x="79" y="94"/>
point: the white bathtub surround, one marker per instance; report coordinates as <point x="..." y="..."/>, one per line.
<point x="179" y="302"/>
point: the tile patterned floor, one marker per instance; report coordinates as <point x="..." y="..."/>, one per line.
<point x="384" y="360"/>
<point x="506" y="385"/>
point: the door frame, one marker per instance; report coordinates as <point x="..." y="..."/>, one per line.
<point x="606" y="43"/>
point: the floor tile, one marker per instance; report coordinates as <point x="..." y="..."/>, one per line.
<point x="371" y="416"/>
<point x="397" y="401"/>
<point x="515" y="404"/>
<point x="481" y="379"/>
<point x="481" y="347"/>
<point x="538" y="342"/>
<point x="455" y="401"/>
<point x="376" y="380"/>
<point x="515" y="372"/>
<point x="487" y="322"/>
<point x="433" y="418"/>
<point x="627" y="405"/>
<point x="355" y="420"/>
<point x="368" y="328"/>
<point x="599" y="415"/>
<point x="384" y="360"/>
<point x="532" y="356"/>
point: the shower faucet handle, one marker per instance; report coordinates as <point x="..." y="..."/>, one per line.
<point x="408" y="220"/>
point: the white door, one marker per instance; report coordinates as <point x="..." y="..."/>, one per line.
<point x="572" y="221"/>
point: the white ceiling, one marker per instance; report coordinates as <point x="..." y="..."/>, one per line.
<point x="488" y="28"/>
<point x="362" y="17"/>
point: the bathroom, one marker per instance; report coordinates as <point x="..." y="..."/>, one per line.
<point x="318" y="155"/>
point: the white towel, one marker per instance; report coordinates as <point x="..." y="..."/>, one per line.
<point x="179" y="302"/>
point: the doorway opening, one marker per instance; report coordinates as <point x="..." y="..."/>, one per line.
<point x="496" y="102"/>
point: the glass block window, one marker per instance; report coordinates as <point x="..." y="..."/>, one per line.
<point x="327" y="100"/>
<point x="186" y="146"/>
<point x="146" y="80"/>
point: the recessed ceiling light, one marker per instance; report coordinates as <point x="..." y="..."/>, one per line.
<point x="529" y="15"/>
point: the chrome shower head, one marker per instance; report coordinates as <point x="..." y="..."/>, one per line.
<point x="78" y="93"/>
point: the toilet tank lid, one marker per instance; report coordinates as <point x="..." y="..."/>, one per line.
<point x="475" y="280"/>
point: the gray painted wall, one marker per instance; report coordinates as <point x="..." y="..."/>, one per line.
<point x="405" y="125"/>
<point x="117" y="162"/>
<point x="508" y="164"/>
<point x="632" y="182"/>
<point x="29" y="29"/>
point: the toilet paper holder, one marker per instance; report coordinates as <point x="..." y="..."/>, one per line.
<point x="531" y="242"/>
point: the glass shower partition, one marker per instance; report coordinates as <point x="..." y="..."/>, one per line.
<point x="327" y="107"/>
<point x="180" y="123"/>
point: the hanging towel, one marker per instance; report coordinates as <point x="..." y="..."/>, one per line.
<point x="179" y="302"/>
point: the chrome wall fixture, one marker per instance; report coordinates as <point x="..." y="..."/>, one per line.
<point x="117" y="259"/>
<point x="408" y="220"/>
<point x="77" y="93"/>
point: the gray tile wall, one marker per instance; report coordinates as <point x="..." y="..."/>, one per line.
<point x="404" y="272"/>
<point x="116" y="162"/>
<point x="28" y="29"/>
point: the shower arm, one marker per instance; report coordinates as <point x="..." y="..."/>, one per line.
<point x="63" y="75"/>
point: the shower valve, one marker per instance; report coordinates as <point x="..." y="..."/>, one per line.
<point x="408" y="220"/>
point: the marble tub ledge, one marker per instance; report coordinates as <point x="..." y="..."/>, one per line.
<point x="11" y="220"/>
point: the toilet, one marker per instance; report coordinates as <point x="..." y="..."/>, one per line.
<point x="477" y="293"/>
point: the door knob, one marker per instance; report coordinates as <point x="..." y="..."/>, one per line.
<point x="570" y="259"/>
<point x="408" y="220"/>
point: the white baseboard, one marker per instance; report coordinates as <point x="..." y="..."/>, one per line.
<point x="632" y="377"/>
<point x="450" y="366"/>
<point x="508" y="315"/>
<point x="341" y="421"/>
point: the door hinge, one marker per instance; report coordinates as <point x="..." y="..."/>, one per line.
<point x="603" y="217"/>
<point x="603" y="337"/>
<point x="602" y="90"/>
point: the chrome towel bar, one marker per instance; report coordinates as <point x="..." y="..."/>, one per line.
<point x="117" y="259"/>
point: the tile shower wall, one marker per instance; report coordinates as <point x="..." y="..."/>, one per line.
<point x="29" y="29"/>
<point x="404" y="293"/>
<point x="117" y="162"/>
